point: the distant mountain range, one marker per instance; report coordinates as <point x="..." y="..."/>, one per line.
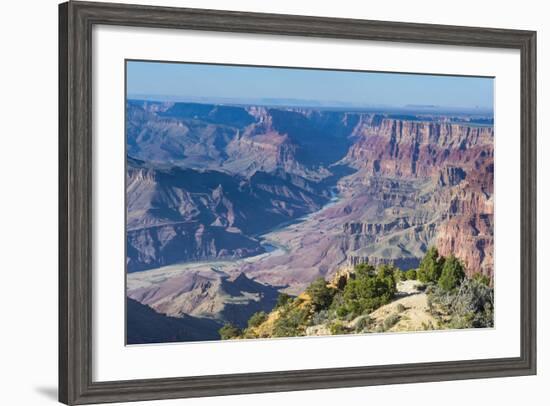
<point x="316" y="104"/>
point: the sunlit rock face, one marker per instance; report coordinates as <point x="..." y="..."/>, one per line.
<point x="453" y="211"/>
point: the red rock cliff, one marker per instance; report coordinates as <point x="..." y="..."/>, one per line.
<point x="459" y="160"/>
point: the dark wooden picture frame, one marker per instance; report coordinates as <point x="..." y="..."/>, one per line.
<point x="76" y="20"/>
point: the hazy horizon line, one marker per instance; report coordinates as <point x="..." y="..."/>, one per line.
<point x="306" y="103"/>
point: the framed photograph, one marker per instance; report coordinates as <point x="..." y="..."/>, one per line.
<point x="258" y="202"/>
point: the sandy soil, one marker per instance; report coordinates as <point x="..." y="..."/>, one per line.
<point x="414" y="317"/>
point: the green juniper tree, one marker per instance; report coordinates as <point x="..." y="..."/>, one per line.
<point x="411" y="274"/>
<point x="321" y="295"/>
<point x="283" y="300"/>
<point x="368" y="291"/>
<point x="431" y="266"/>
<point x="452" y="274"/>
<point x="228" y="331"/>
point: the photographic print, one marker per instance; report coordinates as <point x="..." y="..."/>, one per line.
<point x="269" y="202"/>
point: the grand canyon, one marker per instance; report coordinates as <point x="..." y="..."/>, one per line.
<point x="230" y="206"/>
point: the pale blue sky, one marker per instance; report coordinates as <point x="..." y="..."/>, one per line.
<point x="181" y="80"/>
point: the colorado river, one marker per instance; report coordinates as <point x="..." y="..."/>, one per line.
<point x="272" y="249"/>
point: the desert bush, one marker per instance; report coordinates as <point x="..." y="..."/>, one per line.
<point x="391" y="321"/>
<point x="483" y="279"/>
<point x="430" y="288"/>
<point x="320" y="317"/>
<point x="471" y="305"/>
<point x="379" y="329"/>
<point x="229" y="331"/>
<point x="400" y="308"/>
<point x="292" y="322"/>
<point x="364" y="323"/>
<point x="427" y="326"/>
<point x="256" y="319"/>
<point x="337" y="327"/>
<point x="248" y="333"/>
<point x="474" y="304"/>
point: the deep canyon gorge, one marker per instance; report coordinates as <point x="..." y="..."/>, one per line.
<point x="227" y="206"/>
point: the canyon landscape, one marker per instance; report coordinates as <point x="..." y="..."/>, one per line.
<point x="268" y="220"/>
